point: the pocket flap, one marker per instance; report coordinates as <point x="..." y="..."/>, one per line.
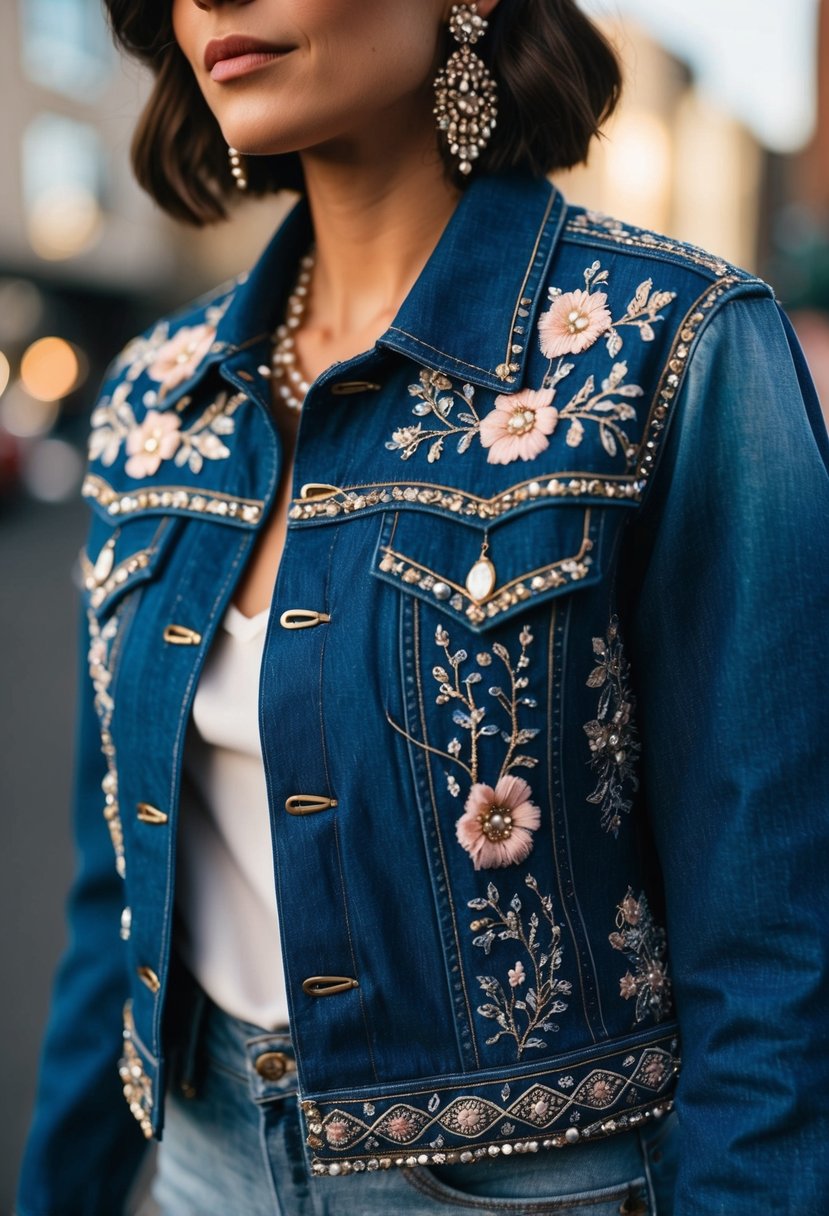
<point x="116" y="559"/>
<point x="484" y="572"/>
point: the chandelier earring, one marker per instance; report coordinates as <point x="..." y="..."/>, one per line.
<point x="466" y="96"/>
<point x="237" y="168"/>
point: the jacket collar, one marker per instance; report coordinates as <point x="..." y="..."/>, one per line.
<point x="469" y="313"/>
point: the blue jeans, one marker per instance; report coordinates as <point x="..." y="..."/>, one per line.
<point x="232" y="1143"/>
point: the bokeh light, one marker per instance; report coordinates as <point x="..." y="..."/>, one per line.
<point x="50" y="368"/>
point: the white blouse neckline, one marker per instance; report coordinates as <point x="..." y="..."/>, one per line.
<point x="244" y="627"/>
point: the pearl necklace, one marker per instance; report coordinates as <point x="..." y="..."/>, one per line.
<point x="284" y="368"/>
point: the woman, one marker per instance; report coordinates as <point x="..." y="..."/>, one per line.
<point x="449" y="604"/>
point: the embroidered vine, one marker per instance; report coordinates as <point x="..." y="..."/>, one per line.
<point x="643" y="942"/>
<point x="159" y="436"/>
<point x="498" y="820"/>
<point x="517" y="1011"/>
<point x="520" y="424"/>
<point x="612" y="733"/>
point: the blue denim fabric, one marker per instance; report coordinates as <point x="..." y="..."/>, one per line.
<point x="645" y="648"/>
<point x="234" y="1143"/>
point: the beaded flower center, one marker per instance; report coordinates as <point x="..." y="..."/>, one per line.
<point x="521" y="421"/>
<point x="577" y="321"/>
<point x="496" y="823"/>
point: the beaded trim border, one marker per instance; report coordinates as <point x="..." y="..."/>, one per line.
<point x="604" y="227"/>
<point x="137" y="1086"/>
<point x="346" y="500"/>
<point x="177" y="498"/>
<point x="564" y="1102"/>
<point x="573" y="1135"/>
<point x="102" y="640"/>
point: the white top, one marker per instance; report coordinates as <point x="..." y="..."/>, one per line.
<point x="228" y="931"/>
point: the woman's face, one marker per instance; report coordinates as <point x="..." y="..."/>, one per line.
<point x="348" y="69"/>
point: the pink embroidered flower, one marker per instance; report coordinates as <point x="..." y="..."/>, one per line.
<point x="468" y="1118"/>
<point x="573" y="322"/>
<point x="516" y="975"/>
<point x="336" y="1132"/>
<point x="400" y="1127"/>
<point x="628" y="986"/>
<point x="154" y="440"/>
<point x="497" y="824"/>
<point x="518" y="426"/>
<point x="179" y="356"/>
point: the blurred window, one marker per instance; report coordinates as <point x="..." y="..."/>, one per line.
<point x="66" y="46"/>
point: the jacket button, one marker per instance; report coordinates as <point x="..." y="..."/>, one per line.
<point x="149" y="977"/>
<point x="302" y="618"/>
<point x="308" y="804"/>
<point x="328" y="985"/>
<point x="181" y="635"/>
<point x="148" y="813"/>
<point x="272" y="1065"/>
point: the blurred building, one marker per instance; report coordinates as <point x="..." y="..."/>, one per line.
<point x="672" y="160"/>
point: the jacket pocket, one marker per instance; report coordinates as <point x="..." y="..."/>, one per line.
<point x="483" y="573"/>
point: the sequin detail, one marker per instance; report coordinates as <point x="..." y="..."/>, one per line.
<point x="175" y="498"/>
<point x="519" y="1012"/>
<point x="644" y="944"/>
<point x="614" y="744"/>
<point x="137" y="1086"/>
<point x="102" y="640"/>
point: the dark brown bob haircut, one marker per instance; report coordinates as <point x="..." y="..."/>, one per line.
<point x="558" y="81"/>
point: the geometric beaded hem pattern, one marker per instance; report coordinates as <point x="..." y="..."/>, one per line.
<point x="580" y="1101"/>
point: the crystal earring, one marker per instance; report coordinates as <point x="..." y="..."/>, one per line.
<point x="237" y="168"/>
<point x="466" y="103"/>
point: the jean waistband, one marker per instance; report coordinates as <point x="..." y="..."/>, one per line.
<point x="210" y="1036"/>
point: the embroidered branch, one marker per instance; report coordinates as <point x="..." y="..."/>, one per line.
<point x="436" y="400"/>
<point x="612" y="733"/>
<point x="518" y="1012"/>
<point x="643" y="942"/>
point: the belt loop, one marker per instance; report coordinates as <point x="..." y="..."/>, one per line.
<point x="188" y="1070"/>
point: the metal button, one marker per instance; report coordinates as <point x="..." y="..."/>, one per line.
<point x="328" y="985"/>
<point x="308" y="804"/>
<point x="149" y="977"/>
<point x="148" y="813"/>
<point x="273" y="1064"/>
<point x="181" y="635"/>
<point x="346" y="387"/>
<point x="302" y="618"/>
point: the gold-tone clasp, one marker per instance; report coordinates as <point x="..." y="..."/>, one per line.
<point x="307" y="804"/>
<point x="346" y="387"/>
<point x="318" y="489"/>
<point x="148" y="813"/>
<point x="302" y="618"/>
<point x="180" y="635"/>
<point x="328" y="985"/>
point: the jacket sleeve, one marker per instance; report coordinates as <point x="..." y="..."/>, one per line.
<point x="84" y="1147"/>
<point x="726" y="626"/>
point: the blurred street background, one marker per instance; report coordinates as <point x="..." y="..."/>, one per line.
<point x="723" y="140"/>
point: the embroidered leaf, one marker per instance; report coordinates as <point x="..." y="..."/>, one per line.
<point x="488" y="730"/>
<point x="641" y="298"/>
<point x="537" y="1042"/>
<point x="630" y="390"/>
<point x="608" y="440"/>
<point x="489" y="1011"/>
<point x="492" y="893"/>
<point x="505" y="1092"/>
<point x="525" y="761"/>
<point x="421" y="408"/>
<point x="435" y="450"/>
<point x="599" y="646"/>
<point x="575" y="433"/>
<point x="597" y="677"/>
<point x="646" y="332"/>
<point x="464" y="441"/>
<point x="462" y="719"/>
<point x="478" y="904"/>
<point x="617" y="375"/>
<point x="660" y="299"/>
<point x="468" y="391"/>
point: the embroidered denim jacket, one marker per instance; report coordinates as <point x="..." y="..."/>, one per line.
<point x="541" y="708"/>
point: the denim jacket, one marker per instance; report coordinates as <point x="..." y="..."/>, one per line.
<point x="542" y="712"/>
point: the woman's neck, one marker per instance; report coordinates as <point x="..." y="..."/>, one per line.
<point x="376" y="218"/>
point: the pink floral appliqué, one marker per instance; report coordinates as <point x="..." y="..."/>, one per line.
<point x="518" y="426"/>
<point x="179" y="356"/>
<point x="516" y="975"/>
<point x="153" y="440"/>
<point x="497" y="824"/>
<point x="575" y="320"/>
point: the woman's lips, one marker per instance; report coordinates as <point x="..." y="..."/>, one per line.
<point x="238" y="65"/>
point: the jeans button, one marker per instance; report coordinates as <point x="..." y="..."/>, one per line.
<point x="272" y="1065"/>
